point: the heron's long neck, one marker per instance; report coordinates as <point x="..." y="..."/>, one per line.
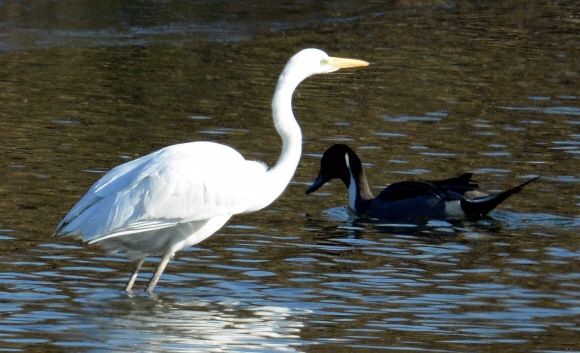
<point x="281" y="173"/>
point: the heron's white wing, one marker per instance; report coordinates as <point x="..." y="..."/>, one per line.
<point x="113" y="181"/>
<point x="181" y="183"/>
<point x="136" y="227"/>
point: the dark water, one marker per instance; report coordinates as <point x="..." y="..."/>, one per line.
<point x="492" y="88"/>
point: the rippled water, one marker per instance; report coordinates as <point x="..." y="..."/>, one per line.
<point x="492" y="89"/>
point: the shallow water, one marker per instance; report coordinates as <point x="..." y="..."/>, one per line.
<point x="492" y="89"/>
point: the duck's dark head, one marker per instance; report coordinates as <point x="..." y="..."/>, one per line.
<point x="333" y="165"/>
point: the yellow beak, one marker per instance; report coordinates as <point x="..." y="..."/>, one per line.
<point x="342" y="63"/>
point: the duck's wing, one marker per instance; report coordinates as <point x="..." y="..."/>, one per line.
<point x="459" y="187"/>
<point x="446" y="189"/>
<point x="406" y="190"/>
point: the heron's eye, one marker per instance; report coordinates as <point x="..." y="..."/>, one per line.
<point x="323" y="62"/>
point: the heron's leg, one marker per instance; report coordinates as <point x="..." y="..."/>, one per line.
<point x="160" y="269"/>
<point x="134" y="275"/>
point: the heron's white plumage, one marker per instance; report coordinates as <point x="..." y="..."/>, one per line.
<point x="164" y="189"/>
<point x="178" y="196"/>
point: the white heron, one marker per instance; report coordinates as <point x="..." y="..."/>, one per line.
<point x="178" y="196"/>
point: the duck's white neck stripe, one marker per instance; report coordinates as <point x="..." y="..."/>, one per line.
<point x="352" y="191"/>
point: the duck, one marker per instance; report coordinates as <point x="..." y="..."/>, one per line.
<point x="176" y="197"/>
<point x="454" y="198"/>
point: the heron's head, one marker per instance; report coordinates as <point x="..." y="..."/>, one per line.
<point x="314" y="61"/>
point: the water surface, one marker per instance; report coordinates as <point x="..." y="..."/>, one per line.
<point x="491" y="89"/>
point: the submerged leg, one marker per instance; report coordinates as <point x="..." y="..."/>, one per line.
<point x="160" y="269"/>
<point x="134" y="275"/>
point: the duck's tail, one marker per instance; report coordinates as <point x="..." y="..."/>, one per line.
<point x="483" y="205"/>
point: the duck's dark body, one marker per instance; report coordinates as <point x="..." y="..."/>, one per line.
<point x="449" y="198"/>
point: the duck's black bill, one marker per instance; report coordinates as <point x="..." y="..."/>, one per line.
<point x="316" y="185"/>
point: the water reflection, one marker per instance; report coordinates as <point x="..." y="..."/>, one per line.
<point x="497" y="220"/>
<point x="186" y="327"/>
<point x="101" y="320"/>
